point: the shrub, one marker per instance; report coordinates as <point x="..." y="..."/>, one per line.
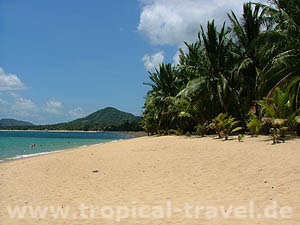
<point x="240" y="137"/>
<point x="188" y="134"/>
<point x="225" y="125"/>
<point x="278" y="130"/>
<point x="179" y="132"/>
<point x="266" y="125"/>
<point x="161" y="132"/>
<point x="254" y="125"/>
<point x="201" y="129"/>
<point x="217" y="124"/>
<point x="280" y="124"/>
<point x="278" y="109"/>
<point x="296" y="125"/>
<point x="171" y="132"/>
<point x="275" y="132"/>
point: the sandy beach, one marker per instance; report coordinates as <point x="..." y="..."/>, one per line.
<point x="181" y="176"/>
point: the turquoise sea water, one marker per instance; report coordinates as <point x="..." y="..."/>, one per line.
<point x="16" y="144"/>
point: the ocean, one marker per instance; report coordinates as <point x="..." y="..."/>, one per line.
<point x="21" y="144"/>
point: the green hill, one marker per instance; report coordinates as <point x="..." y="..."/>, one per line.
<point x="107" y="117"/>
<point x="12" y="122"/>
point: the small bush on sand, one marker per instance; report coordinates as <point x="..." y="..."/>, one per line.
<point x="254" y="125"/>
<point x="217" y="124"/>
<point x="225" y="125"/>
<point x="179" y="132"/>
<point x="188" y="134"/>
<point x="161" y="132"/>
<point x="201" y="129"/>
<point x="171" y="132"/>
<point x="240" y="137"/>
<point x="278" y="130"/>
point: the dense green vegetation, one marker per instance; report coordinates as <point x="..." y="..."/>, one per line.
<point x="108" y="119"/>
<point x="12" y="122"/>
<point x="245" y="73"/>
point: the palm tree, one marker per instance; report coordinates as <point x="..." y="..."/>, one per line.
<point x="217" y="48"/>
<point x="221" y="78"/>
<point x="163" y="87"/>
<point x="211" y="61"/>
<point x="229" y="70"/>
<point x="285" y="65"/>
<point x="246" y="32"/>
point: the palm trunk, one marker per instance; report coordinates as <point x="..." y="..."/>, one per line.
<point x="281" y="82"/>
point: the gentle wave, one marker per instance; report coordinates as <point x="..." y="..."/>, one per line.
<point x="50" y="152"/>
<point x="14" y="145"/>
<point x="29" y="156"/>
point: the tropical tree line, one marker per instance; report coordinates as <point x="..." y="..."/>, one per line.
<point x="246" y="71"/>
<point x="125" y="126"/>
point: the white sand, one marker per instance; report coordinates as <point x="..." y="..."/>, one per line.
<point x="154" y="170"/>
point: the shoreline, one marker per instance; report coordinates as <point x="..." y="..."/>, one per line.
<point x="24" y="157"/>
<point x="133" y="135"/>
<point x="130" y="135"/>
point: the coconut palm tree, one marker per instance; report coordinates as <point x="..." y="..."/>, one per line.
<point x="229" y="70"/>
<point x="246" y="32"/>
<point x="284" y="66"/>
<point x="163" y="87"/>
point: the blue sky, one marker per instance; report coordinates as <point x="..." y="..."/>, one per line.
<point x="63" y="59"/>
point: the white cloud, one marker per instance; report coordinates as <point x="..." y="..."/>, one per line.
<point x="15" y="106"/>
<point x="10" y="81"/>
<point x="171" y="22"/>
<point x="13" y="95"/>
<point x="3" y="102"/>
<point x="24" y="107"/>
<point x="76" y="113"/>
<point x="26" y="104"/>
<point x="175" y="21"/>
<point x="153" y="61"/>
<point x="53" y="106"/>
<point x="176" y="59"/>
